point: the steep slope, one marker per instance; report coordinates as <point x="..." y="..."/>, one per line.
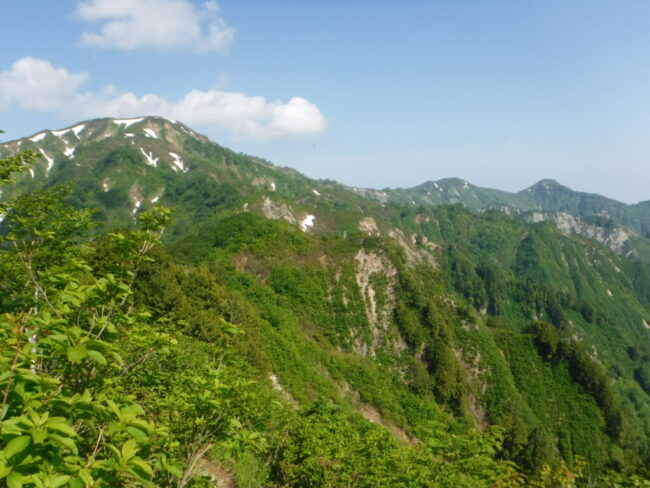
<point x="408" y="313"/>
<point x="550" y="195"/>
<point x="515" y="324"/>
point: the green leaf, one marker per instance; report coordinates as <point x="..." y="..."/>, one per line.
<point x="76" y="483"/>
<point x="4" y="470"/>
<point x="174" y="470"/>
<point x="61" y="426"/>
<point x="65" y="442"/>
<point x="60" y="480"/>
<point x="115" y="450"/>
<point x="97" y="356"/>
<point x="85" y="476"/>
<point x="129" y="449"/>
<point x="17" y="445"/>
<point x="77" y="354"/>
<point x="137" y="433"/>
<point x="14" y="480"/>
<point x="142" y="465"/>
<point x="38" y="435"/>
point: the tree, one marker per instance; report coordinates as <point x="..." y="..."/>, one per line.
<point x="62" y="422"/>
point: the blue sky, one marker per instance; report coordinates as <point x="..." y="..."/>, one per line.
<point x="501" y="93"/>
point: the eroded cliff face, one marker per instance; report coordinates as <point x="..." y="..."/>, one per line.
<point x="614" y="237"/>
<point x="377" y="277"/>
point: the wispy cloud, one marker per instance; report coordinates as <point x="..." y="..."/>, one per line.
<point x="132" y="24"/>
<point x="36" y="85"/>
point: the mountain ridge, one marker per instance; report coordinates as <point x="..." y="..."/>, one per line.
<point x="161" y="147"/>
<point x="544" y="183"/>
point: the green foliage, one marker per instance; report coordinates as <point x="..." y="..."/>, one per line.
<point x="15" y="164"/>
<point x="493" y="352"/>
<point x="62" y="422"/>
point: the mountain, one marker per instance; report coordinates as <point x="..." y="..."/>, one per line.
<point x="509" y="327"/>
<point x="121" y="165"/>
<point x="546" y="195"/>
<point x="624" y="228"/>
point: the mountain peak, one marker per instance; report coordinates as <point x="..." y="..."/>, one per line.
<point x="101" y="128"/>
<point x="546" y="185"/>
<point x="444" y="183"/>
<point x="152" y="143"/>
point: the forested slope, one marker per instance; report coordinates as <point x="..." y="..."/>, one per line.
<point x="293" y="332"/>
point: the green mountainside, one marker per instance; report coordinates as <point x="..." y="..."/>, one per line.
<point x="546" y="195"/>
<point x="294" y="332"/>
<point x="625" y="229"/>
<point x="105" y="158"/>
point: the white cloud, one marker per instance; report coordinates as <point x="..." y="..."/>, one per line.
<point x="131" y="24"/>
<point x="36" y="85"/>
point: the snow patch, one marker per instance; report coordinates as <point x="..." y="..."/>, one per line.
<point x="127" y="122"/>
<point x="69" y="151"/>
<point x="60" y="133"/>
<point x="187" y="131"/>
<point x="307" y="223"/>
<point x="272" y="186"/>
<point x="150" y="133"/>
<point x="178" y="163"/>
<point x="105" y="186"/>
<point x="77" y="129"/>
<point x="31" y="172"/>
<point x="38" y="137"/>
<point x="136" y="197"/>
<point x="50" y="161"/>
<point x="129" y="134"/>
<point x="315" y="192"/>
<point x="157" y="196"/>
<point x="151" y="161"/>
